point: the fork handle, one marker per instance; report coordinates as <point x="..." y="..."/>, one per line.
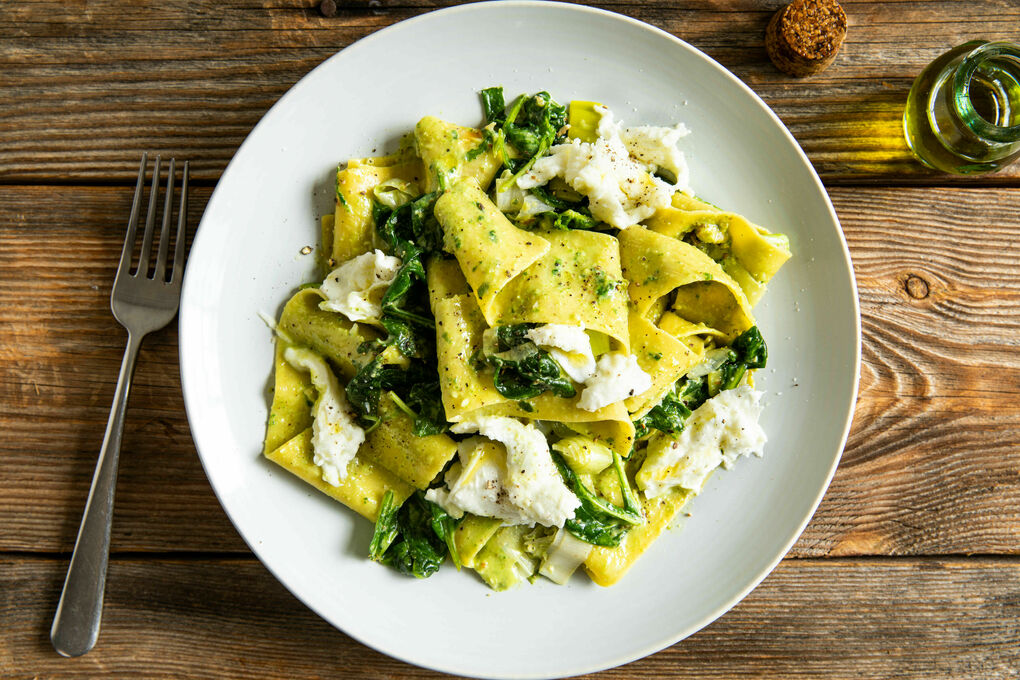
<point x="76" y="623"/>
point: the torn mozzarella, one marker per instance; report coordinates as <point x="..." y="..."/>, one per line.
<point x="355" y="288"/>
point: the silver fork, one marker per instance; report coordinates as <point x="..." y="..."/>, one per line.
<point x="142" y="302"/>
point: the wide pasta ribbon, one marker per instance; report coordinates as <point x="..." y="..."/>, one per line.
<point x="658" y="265"/>
<point x="390" y="452"/>
<point x="578" y="282"/>
<point x="490" y="249"/>
<point x="663" y="357"/>
<point x="754" y="254"/>
<point x="452" y="152"/>
<point x="351" y="231"/>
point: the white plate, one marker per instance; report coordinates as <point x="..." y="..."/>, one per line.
<point x="246" y="259"/>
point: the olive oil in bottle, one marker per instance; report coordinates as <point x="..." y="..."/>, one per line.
<point x="963" y="110"/>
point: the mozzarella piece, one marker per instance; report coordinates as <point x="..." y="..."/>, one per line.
<point x="532" y="482"/>
<point x="569" y="346"/>
<point x="477" y="484"/>
<point x="719" y="432"/>
<point x="656" y="148"/>
<point x="615" y="171"/>
<point x="336" y="437"/>
<point x="618" y="376"/>
<point x="355" y="288"/>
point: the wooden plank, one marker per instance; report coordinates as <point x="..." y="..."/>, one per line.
<point x="932" y="465"/>
<point x="192" y="80"/>
<point x="934" y="439"/>
<point x="60" y="353"/>
<point x="214" y="618"/>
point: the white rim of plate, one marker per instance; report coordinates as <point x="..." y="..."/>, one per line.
<point x="407" y="24"/>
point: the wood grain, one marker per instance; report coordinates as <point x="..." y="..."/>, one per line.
<point x="932" y="465"/>
<point x="193" y="79"/>
<point x="217" y="618"/>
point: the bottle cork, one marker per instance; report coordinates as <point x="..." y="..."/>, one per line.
<point x="804" y="37"/>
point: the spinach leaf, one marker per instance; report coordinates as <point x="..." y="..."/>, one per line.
<point x="493" y="104"/>
<point x="551" y="199"/>
<point x="427" y="401"/>
<point x="512" y="335"/>
<point x="693" y="392"/>
<point x="536" y="125"/>
<point x="426" y="228"/>
<point x="747" y="351"/>
<point x="750" y="348"/>
<point x="366" y="387"/>
<point x="667" y="416"/>
<point x="408" y="539"/>
<point x="597" y="521"/>
<point x="444" y="527"/>
<point x="531" y="372"/>
<point x="411" y="232"/>
<point x="385" y="527"/>
<point x="527" y="372"/>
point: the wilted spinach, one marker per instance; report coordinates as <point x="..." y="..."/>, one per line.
<point x="747" y="351"/>
<point x="427" y="401"/>
<point x="528" y="371"/>
<point x="667" y="416"/>
<point x="530" y="125"/>
<point x="414" y="538"/>
<point x="596" y="520"/>
<point x="411" y="232"/>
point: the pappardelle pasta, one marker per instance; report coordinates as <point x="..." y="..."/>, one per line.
<point x="530" y="347"/>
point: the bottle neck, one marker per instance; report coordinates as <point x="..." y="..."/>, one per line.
<point x="986" y="93"/>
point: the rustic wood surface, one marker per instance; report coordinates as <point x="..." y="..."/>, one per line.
<point x="911" y="566"/>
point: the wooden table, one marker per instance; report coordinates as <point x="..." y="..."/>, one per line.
<point x="910" y="568"/>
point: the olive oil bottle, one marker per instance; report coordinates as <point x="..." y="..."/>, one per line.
<point x="963" y="110"/>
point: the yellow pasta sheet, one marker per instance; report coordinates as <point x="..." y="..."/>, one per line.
<point x="579" y="281"/>
<point x="327" y="333"/>
<point x="471" y="536"/>
<point x="660" y="355"/>
<point x="658" y="265"/>
<point x="353" y="230"/>
<point x="393" y="444"/>
<point x="491" y="251"/>
<point x="694" y="335"/>
<point x="363" y="488"/>
<point x="468" y="390"/>
<point x="756" y="254"/>
<point x="293" y="396"/>
<point x="445" y="149"/>
<point x="444" y="280"/>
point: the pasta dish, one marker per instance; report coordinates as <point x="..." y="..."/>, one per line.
<point x="531" y="346"/>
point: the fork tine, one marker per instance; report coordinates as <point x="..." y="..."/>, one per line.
<point x="182" y="220"/>
<point x="136" y="204"/>
<point x="150" y="223"/>
<point x="159" y="273"/>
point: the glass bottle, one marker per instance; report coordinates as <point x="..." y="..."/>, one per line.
<point x="963" y="110"/>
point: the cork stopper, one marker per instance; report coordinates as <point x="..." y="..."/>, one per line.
<point x="804" y="37"/>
